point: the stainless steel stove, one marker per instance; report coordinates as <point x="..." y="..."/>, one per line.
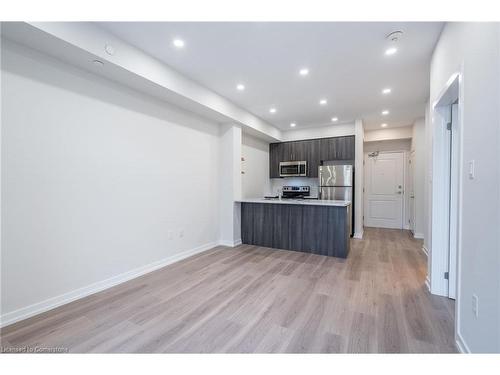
<point x="296" y="192"/>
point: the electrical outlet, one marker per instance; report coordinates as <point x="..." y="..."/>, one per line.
<point x="475" y="305"/>
<point x="181" y="233"/>
<point x="170" y="235"/>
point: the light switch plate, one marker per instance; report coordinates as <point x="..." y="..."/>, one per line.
<point x="475" y="305"/>
<point x="472" y="172"/>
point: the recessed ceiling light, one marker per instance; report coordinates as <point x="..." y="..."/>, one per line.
<point x="335" y="119"/>
<point x="385" y="112"/>
<point x="240" y="87"/>
<point x="304" y="71"/>
<point x="386" y="91"/>
<point x="391" y="51"/>
<point x="384" y="125"/>
<point x="323" y="102"/>
<point x="293" y="125"/>
<point x="179" y="43"/>
<point x="272" y="110"/>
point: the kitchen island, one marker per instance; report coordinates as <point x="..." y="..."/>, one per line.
<point x="312" y="226"/>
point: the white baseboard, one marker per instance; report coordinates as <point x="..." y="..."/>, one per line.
<point x="418" y="236"/>
<point x="460" y="343"/>
<point x="51" y="303"/>
<point x="358" y="235"/>
<point x="230" y="243"/>
<point x="425" y="251"/>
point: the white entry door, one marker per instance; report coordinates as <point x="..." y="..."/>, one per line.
<point x="384" y="182"/>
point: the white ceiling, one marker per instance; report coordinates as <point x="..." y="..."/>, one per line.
<point x="346" y="62"/>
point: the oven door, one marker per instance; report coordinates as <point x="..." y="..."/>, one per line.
<point x="293" y="168"/>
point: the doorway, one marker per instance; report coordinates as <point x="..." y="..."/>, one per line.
<point x="446" y="188"/>
<point x="384" y="189"/>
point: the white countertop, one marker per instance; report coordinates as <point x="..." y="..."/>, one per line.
<point x="310" y="202"/>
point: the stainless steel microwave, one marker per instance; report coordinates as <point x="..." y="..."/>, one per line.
<point x="293" y="169"/>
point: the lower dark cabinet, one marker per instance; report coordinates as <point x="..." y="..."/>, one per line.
<point x="322" y="230"/>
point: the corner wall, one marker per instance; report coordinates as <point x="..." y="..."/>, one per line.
<point x="418" y="146"/>
<point x="359" y="183"/>
<point x="473" y="49"/>
<point x="255" y="167"/>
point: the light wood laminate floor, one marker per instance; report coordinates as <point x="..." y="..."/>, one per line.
<point x="254" y="299"/>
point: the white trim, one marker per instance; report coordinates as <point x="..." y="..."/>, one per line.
<point x="441" y="247"/>
<point x="426" y="252"/>
<point x="358" y="235"/>
<point x="461" y="345"/>
<point x="51" y="303"/>
<point x="442" y="229"/>
<point x="428" y="283"/>
<point x="230" y="243"/>
<point x="418" y="236"/>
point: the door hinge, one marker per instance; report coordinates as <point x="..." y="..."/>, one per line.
<point x="446" y="275"/>
<point x="448" y="126"/>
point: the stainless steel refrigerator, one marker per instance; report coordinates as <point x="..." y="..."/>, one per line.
<point x="336" y="183"/>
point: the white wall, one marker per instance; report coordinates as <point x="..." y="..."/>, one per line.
<point x="388" y="133"/>
<point x="255" y="179"/>
<point x="94" y="177"/>
<point x="318" y="132"/>
<point x="418" y="147"/>
<point x="389" y="145"/>
<point x="474" y="49"/>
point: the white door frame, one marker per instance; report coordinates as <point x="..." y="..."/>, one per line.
<point x="411" y="194"/>
<point x="442" y="228"/>
<point x="440" y="257"/>
<point x="403" y="198"/>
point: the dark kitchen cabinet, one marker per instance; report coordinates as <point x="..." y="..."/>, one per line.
<point x="314" y="151"/>
<point x="327" y="149"/>
<point x="274" y="159"/>
<point x="312" y="148"/>
<point x="345" y="148"/>
<point x="338" y="148"/>
<point x="293" y="151"/>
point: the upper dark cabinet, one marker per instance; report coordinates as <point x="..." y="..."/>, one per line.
<point x="312" y="148"/>
<point x="274" y="159"/>
<point x="314" y="151"/>
<point x="338" y="148"/>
